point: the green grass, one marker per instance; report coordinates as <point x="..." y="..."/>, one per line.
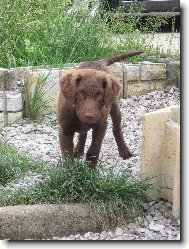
<point x="112" y="196"/>
<point x="14" y="165"/>
<point x="48" y="33"/>
<point x="35" y="103"/>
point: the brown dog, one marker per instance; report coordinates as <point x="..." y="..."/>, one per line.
<point x="87" y="96"/>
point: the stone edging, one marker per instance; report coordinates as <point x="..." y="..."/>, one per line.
<point x="46" y="221"/>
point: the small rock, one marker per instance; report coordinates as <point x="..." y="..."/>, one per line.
<point x="150" y="235"/>
<point x="178" y="237"/>
<point x="77" y="236"/>
<point x="155" y="227"/>
<point x="141" y="230"/>
<point x="118" y="231"/>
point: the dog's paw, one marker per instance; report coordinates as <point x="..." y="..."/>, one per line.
<point x="126" y="154"/>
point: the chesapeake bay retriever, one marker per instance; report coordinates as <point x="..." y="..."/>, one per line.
<point x="87" y="96"/>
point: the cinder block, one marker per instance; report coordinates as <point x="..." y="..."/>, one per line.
<point x="153" y="71"/>
<point x="132" y="72"/>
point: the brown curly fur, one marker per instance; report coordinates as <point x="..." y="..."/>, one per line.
<point x="87" y="96"/>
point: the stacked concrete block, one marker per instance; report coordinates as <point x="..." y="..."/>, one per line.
<point x="10" y="107"/>
<point x="136" y="79"/>
<point x="172" y="69"/>
<point x="160" y="154"/>
<point x="144" y="77"/>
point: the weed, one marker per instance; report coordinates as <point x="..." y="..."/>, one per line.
<point x="35" y="102"/>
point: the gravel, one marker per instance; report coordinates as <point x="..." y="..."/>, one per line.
<point x="41" y="141"/>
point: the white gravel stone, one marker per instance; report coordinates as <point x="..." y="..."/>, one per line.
<point x="118" y="231"/>
<point x="155" y="227"/>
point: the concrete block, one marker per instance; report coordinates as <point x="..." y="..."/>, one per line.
<point x="1" y="101"/>
<point x="1" y="120"/>
<point x="160" y="153"/>
<point x="14" y="117"/>
<point x="170" y="158"/>
<point x="7" y="79"/>
<point x="132" y="72"/>
<point x="51" y="88"/>
<point x="175" y="113"/>
<point x="173" y="73"/>
<point x="10" y="118"/>
<point x="152" y="146"/>
<point x="14" y="101"/>
<point x="153" y="71"/>
<point x="138" y="88"/>
<point x="159" y="85"/>
<point x="176" y="177"/>
<point x="116" y="70"/>
<point x="43" y="221"/>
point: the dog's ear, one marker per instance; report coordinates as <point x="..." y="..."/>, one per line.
<point x="112" y="89"/>
<point x="68" y="85"/>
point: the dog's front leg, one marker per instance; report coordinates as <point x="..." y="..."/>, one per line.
<point x="94" y="150"/>
<point x="66" y="143"/>
<point x="79" y="149"/>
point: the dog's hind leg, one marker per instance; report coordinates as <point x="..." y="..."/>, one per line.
<point x="115" y="114"/>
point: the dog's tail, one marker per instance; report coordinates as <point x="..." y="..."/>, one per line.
<point x="111" y="60"/>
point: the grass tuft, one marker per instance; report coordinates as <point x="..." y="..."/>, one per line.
<point x="14" y="165"/>
<point x="114" y="197"/>
<point x="36" y="104"/>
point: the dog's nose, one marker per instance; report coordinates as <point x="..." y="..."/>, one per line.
<point x="89" y="116"/>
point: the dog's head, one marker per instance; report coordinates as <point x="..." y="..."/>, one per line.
<point x="89" y="91"/>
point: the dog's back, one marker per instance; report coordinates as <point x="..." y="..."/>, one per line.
<point x="101" y="65"/>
